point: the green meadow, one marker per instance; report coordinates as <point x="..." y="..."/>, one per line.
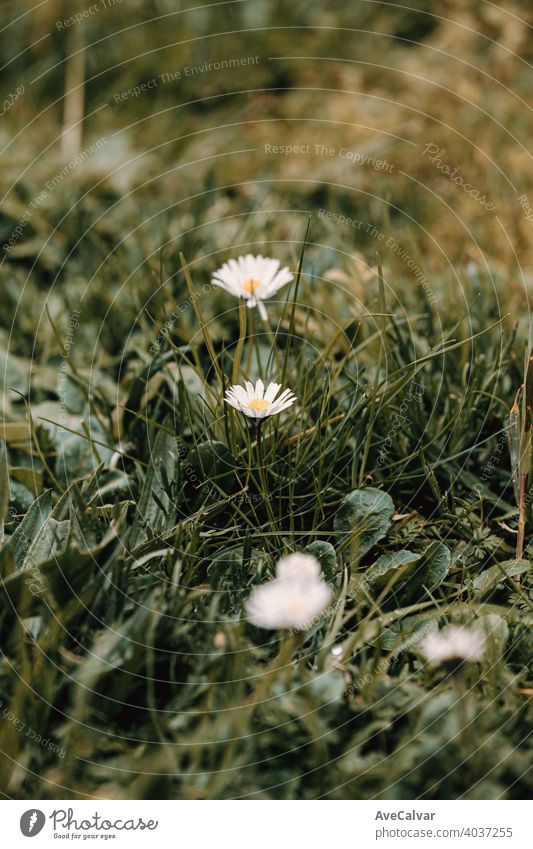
<point x="155" y="642"/>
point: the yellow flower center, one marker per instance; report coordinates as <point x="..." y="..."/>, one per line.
<point x="251" y="285"/>
<point x="258" y="404"/>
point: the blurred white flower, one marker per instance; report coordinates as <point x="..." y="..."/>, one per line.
<point x="257" y="403"/>
<point x="453" y="643"/>
<point x="253" y="278"/>
<point x="303" y="566"/>
<point x="293" y="599"/>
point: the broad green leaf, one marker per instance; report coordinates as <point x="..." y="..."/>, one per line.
<point x="80" y="441"/>
<point x="21" y="497"/>
<point x="429" y="572"/>
<point x="412" y="630"/>
<point x="490" y="578"/>
<point x="390" y="565"/>
<point x="326" y="556"/>
<point x="367" y="514"/>
<point x="25" y="535"/>
<point x="51" y="539"/>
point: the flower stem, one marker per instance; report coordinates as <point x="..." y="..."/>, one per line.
<point x="262" y="475"/>
<point x="250" y="347"/>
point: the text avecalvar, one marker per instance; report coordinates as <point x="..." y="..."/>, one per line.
<point x="404" y="815"/>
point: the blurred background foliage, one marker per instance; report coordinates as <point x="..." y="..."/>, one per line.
<point x="132" y="656"/>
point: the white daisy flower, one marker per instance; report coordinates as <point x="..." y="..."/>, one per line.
<point x="453" y="643"/>
<point x="257" y="403"/>
<point x="292" y="600"/>
<point x="253" y="278"/>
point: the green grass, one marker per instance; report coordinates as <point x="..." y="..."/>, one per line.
<point x="123" y="588"/>
<point x="138" y="512"/>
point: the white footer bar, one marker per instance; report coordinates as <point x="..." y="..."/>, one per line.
<point x="267" y="824"/>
